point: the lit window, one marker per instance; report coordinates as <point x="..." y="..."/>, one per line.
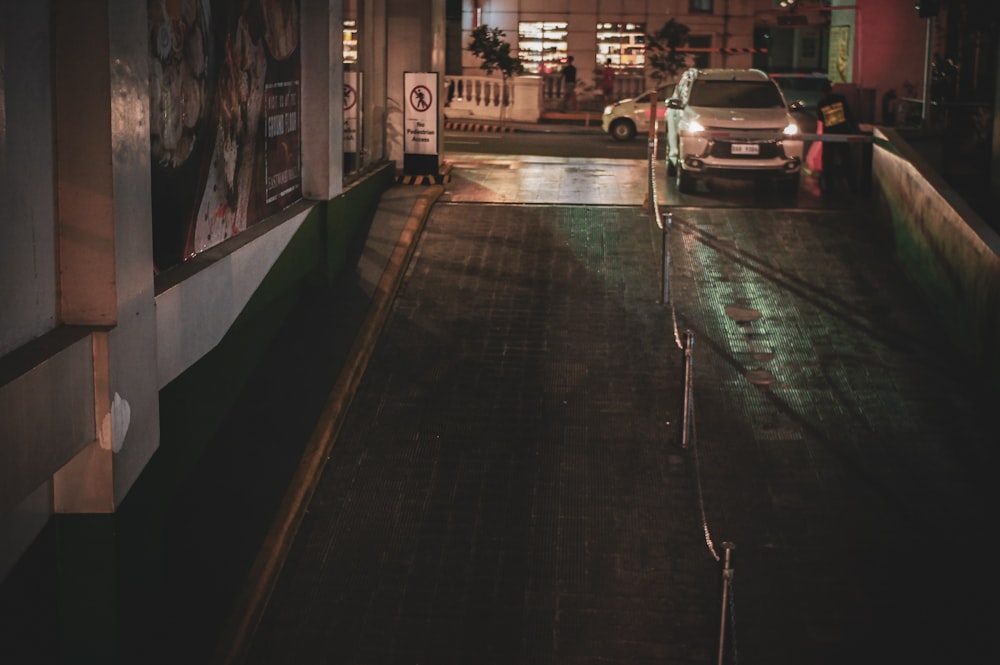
<point x="700" y="48"/>
<point x="542" y="45"/>
<point x="350" y="41"/>
<point x="624" y="43"/>
<point x="701" y="6"/>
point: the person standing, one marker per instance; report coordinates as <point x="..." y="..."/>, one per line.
<point x="837" y="118"/>
<point x="608" y="80"/>
<point x="569" y="85"/>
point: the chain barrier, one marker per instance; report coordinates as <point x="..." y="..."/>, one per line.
<point x="664" y="222"/>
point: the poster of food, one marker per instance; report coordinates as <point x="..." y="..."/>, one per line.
<point x="839" y="64"/>
<point x="225" y="121"/>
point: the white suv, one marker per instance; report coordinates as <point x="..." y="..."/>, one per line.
<point x="733" y="123"/>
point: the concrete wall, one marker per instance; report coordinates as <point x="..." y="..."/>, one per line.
<point x="79" y="417"/>
<point x="945" y="247"/>
<point x="27" y="194"/>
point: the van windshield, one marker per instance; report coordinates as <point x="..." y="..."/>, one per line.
<point x="735" y="94"/>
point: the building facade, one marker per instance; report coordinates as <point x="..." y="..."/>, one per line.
<point x="805" y="36"/>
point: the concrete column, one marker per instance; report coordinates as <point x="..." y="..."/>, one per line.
<point x="322" y="98"/>
<point x="102" y="168"/>
<point x="372" y="53"/>
<point x="527" y="94"/>
<point x="416" y="44"/>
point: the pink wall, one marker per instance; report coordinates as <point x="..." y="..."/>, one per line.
<point x="890" y="48"/>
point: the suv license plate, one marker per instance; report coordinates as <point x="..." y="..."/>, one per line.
<point x="745" y="149"/>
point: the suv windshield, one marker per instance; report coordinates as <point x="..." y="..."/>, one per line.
<point x="735" y="94"/>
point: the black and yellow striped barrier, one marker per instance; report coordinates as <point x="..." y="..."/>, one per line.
<point x="442" y="177"/>
<point x="476" y="127"/>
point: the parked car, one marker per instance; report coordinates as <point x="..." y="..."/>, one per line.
<point x="628" y="117"/>
<point x="801" y="90"/>
<point x="732" y="123"/>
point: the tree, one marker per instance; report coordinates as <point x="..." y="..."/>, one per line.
<point x="489" y="44"/>
<point x="662" y="55"/>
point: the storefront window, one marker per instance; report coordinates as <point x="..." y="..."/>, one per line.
<point x="542" y="45"/>
<point x="624" y="43"/>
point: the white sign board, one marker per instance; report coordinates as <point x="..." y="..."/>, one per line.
<point x="352" y="110"/>
<point x="420" y="115"/>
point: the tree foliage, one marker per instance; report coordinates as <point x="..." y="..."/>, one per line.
<point x="489" y="44"/>
<point x="662" y="55"/>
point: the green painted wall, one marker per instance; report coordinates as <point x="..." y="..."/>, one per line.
<point x="173" y="558"/>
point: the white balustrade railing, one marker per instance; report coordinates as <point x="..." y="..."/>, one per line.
<point x="524" y="98"/>
<point x="588" y="94"/>
<point x="518" y="99"/>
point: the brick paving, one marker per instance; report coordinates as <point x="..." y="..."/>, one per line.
<point x="508" y="485"/>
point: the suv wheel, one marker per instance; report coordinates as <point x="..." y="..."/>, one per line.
<point x="622" y="130"/>
<point x="685" y="181"/>
<point x="788" y="186"/>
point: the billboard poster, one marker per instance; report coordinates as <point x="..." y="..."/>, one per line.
<point x="281" y="158"/>
<point x="839" y="63"/>
<point x="225" y="139"/>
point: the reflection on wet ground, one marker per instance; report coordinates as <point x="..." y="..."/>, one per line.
<point x="482" y="178"/>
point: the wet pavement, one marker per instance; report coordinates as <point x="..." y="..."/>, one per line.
<point x="509" y="482"/>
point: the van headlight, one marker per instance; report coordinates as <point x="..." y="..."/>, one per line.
<point x="791" y="129"/>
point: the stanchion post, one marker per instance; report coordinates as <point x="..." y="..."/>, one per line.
<point x="651" y="180"/>
<point x="727" y="580"/>
<point x="686" y="410"/>
<point x="665" y="224"/>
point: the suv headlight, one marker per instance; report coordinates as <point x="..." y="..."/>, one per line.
<point x="695" y="127"/>
<point x="791" y="129"/>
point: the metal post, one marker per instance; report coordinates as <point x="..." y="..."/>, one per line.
<point x="925" y="109"/>
<point x="668" y="220"/>
<point x="688" y="381"/>
<point x="651" y="154"/>
<point x="727" y="579"/>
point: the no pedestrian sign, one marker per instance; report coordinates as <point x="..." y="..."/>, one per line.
<point x="352" y="110"/>
<point x="420" y="113"/>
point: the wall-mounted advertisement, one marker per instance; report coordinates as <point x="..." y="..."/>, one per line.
<point x="225" y="119"/>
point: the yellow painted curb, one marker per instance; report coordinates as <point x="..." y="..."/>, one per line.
<point x="270" y="559"/>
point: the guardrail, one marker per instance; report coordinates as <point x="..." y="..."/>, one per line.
<point x="825" y="138"/>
